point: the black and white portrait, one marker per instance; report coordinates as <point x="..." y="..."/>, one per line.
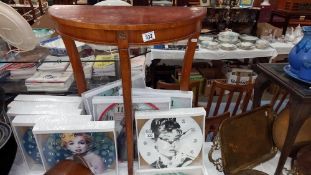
<point x="170" y="142"/>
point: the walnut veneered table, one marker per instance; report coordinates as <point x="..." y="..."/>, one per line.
<point x="126" y="26"/>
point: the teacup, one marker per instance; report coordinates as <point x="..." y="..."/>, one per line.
<point x="210" y="45"/>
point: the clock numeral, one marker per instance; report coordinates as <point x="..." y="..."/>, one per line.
<point x="149" y="134"/>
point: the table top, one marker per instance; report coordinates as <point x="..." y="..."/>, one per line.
<point x="276" y="73"/>
<point x="219" y="54"/>
<point x="124" y="17"/>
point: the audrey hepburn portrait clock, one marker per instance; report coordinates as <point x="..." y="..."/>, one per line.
<point x="170" y="139"/>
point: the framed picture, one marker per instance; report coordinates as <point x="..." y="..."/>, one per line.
<point x="170" y="139"/>
<point x="246" y="3"/>
<point x="110" y="89"/>
<point x="22" y="128"/>
<point x="112" y="107"/>
<point x="179" y="99"/>
<point x="91" y="143"/>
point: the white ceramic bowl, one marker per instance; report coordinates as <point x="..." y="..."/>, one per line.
<point x="246" y="45"/>
<point x="227" y="46"/>
<point x="228" y="37"/>
<point x="209" y="45"/>
<point x="262" y="44"/>
<point x="248" y="38"/>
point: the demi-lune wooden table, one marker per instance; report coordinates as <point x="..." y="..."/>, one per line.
<point x="299" y="106"/>
<point x="125" y="27"/>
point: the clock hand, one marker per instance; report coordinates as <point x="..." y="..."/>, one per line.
<point x="186" y="132"/>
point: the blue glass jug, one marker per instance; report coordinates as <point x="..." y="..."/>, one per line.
<point x="300" y="56"/>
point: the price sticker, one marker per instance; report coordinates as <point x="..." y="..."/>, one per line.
<point x="149" y="134"/>
<point x="148" y="36"/>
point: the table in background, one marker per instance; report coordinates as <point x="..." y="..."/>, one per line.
<point x="206" y="54"/>
<point x="300" y="100"/>
<point x="287" y="15"/>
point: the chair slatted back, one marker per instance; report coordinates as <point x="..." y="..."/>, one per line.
<point x="243" y="92"/>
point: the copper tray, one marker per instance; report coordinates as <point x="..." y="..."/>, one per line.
<point x="246" y="140"/>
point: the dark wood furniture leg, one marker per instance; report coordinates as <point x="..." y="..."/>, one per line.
<point x="271" y="18"/>
<point x="298" y="113"/>
<point x="75" y="63"/>
<point x="285" y="25"/>
<point x="261" y="83"/>
<point x="125" y="67"/>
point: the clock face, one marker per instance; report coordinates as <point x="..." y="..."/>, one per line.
<point x="170" y="142"/>
<point x="115" y="111"/>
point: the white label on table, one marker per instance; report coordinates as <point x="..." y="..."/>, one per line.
<point x="148" y="36"/>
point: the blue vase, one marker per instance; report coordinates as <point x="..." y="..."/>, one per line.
<point x="300" y="56"/>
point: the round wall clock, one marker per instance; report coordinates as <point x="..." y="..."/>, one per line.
<point x="117" y="109"/>
<point x="170" y="142"/>
<point x="30" y="146"/>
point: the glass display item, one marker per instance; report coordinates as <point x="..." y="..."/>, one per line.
<point x="299" y="57"/>
<point x="89" y="143"/>
<point x="170" y="140"/>
<point x="15" y="30"/>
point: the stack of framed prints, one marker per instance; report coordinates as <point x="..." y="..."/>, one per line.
<point x="42" y="107"/>
<point x="179" y="99"/>
<point x="170" y="141"/>
<point x="112" y="108"/>
<point x="22" y="127"/>
<point x="110" y="89"/>
<point x="92" y="144"/>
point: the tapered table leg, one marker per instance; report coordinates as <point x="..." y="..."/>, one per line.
<point x="76" y="64"/>
<point x="125" y="67"/>
<point x="188" y="59"/>
<point x="298" y="114"/>
<point x="261" y="83"/>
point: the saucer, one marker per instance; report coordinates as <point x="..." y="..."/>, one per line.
<point x="246" y="45"/>
<point x="291" y="74"/>
<point x="227" y="46"/>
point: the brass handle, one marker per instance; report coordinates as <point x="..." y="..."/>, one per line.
<point x="216" y="162"/>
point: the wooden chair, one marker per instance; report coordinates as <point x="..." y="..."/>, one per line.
<point x="193" y="86"/>
<point x="212" y="124"/>
<point x="243" y="92"/>
<point x="278" y="99"/>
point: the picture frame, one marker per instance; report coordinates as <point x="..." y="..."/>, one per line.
<point x="42" y="108"/>
<point x="179" y="99"/>
<point x="246" y="3"/>
<point x="161" y="137"/>
<point x="112" y="107"/>
<point x="92" y="143"/>
<point x="22" y="126"/>
<point x="110" y="89"/>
